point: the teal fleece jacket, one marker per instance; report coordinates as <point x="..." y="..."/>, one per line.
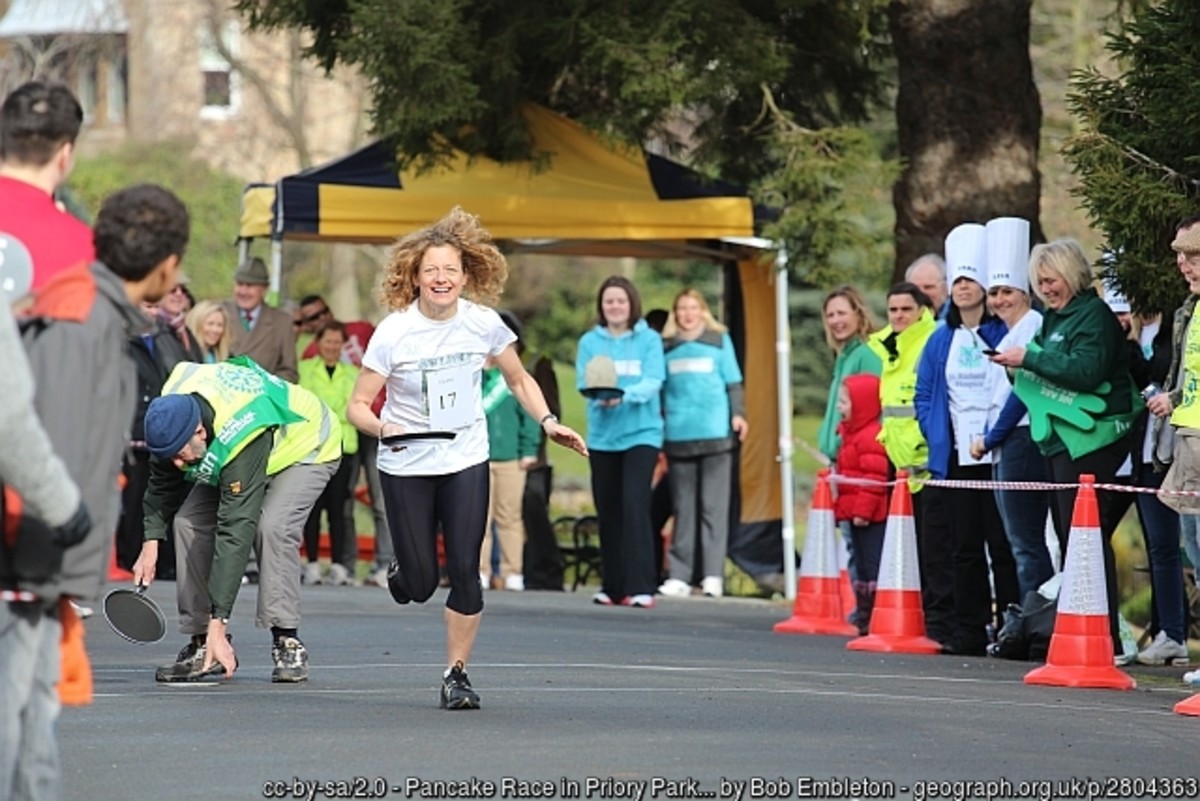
<point x="637" y="419"/>
<point x="853" y="359"/>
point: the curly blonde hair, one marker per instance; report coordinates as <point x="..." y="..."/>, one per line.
<point x="483" y="264"/>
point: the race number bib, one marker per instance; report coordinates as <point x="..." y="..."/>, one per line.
<point x="450" y="398"/>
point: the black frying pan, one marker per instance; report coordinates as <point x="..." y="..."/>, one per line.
<point x="602" y="393"/>
<point x="134" y="615"/>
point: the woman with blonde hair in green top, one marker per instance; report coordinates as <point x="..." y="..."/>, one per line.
<point x="848" y="323"/>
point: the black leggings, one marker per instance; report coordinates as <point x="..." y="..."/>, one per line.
<point x="415" y="506"/>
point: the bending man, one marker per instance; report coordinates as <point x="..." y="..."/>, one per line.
<point x="240" y="456"/>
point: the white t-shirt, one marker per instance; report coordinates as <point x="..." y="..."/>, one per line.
<point x="1021" y="335"/>
<point x="434" y="372"/>
<point x="968" y="382"/>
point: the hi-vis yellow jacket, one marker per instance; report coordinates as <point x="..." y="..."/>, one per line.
<point x="246" y="401"/>
<point x="901" y="434"/>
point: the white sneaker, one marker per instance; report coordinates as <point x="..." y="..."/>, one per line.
<point x="378" y="577"/>
<point x="339" y="576"/>
<point x="312" y="573"/>
<point x="676" y="588"/>
<point x="1163" y="651"/>
<point x="712" y="586"/>
<point x="639" y="601"/>
<point x="515" y="583"/>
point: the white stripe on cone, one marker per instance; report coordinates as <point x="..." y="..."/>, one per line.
<point x="1083" y="586"/>
<point x="819" y="559"/>
<point x="898" y="567"/>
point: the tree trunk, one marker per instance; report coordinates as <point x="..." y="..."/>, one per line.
<point x="968" y="117"/>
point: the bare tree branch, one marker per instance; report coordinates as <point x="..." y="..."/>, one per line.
<point x="290" y="121"/>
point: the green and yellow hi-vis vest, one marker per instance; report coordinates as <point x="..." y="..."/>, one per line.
<point x="246" y="401"/>
<point x="1187" y="413"/>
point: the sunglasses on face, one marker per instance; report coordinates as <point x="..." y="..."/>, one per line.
<point x="312" y="318"/>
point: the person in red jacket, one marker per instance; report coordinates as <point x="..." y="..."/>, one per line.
<point x="861" y="456"/>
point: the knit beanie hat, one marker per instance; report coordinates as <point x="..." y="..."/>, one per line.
<point x="170" y="422"/>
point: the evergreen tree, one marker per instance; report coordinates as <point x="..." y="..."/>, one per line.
<point x="1135" y="154"/>
<point x="754" y="91"/>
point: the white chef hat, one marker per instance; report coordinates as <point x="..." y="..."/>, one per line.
<point x="966" y="254"/>
<point x="1008" y="253"/>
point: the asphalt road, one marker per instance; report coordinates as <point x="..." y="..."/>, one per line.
<point x="579" y="701"/>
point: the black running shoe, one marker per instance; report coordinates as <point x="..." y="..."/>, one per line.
<point x="456" y="690"/>
<point x="291" y="660"/>
<point x="189" y="664"/>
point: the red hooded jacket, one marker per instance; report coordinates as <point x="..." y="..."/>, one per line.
<point x="861" y="455"/>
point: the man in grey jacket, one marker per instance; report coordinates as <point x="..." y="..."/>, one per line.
<point x="77" y="348"/>
<point x="29" y="628"/>
<point x="76" y="344"/>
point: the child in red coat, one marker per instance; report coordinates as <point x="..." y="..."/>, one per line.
<point x="864" y="507"/>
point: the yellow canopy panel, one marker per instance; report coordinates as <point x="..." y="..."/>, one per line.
<point x="349" y="212"/>
<point x="586" y="189"/>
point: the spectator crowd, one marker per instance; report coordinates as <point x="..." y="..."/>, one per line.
<point x="239" y="432"/>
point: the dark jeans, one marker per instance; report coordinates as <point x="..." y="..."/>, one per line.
<point x="1160" y="528"/>
<point x="621" y="490"/>
<point x="868" y="545"/>
<point x="1024" y="511"/>
<point x="1103" y="464"/>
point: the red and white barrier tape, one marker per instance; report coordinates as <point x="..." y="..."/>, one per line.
<point x="1011" y="485"/>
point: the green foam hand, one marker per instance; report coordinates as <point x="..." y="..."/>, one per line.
<point x="1044" y="400"/>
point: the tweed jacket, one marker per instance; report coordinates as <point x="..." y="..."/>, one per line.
<point x="271" y="343"/>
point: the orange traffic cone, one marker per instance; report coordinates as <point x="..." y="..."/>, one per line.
<point x="818" y="607"/>
<point x="1189" y="706"/>
<point x="1081" y="648"/>
<point x="898" y="619"/>
<point x="849" y="602"/>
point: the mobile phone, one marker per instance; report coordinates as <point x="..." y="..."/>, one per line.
<point x="990" y="352"/>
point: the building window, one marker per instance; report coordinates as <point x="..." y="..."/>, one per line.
<point x="85" y="87"/>
<point x="220" y="80"/>
<point x="116" y="87"/>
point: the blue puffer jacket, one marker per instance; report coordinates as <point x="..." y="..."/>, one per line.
<point x="932" y="398"/>
<point x="637" y="419"/>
